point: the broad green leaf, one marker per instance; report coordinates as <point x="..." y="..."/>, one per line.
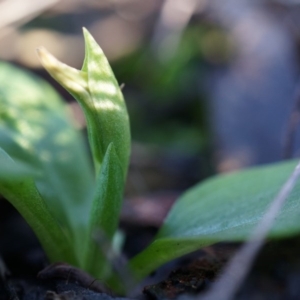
<point x="98" y="93"/>
<point x="35" y="129"/>
<point x="104" y="218"/>
<point x="20" y="189"/>
<point x="223" y="208"/>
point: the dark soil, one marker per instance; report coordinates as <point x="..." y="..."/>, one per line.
<point x="33" y="289"/>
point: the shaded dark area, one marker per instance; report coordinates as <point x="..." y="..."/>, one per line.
<point x="48" y="290"/>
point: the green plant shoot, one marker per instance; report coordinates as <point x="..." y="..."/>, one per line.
<point x="46" y="173"/>
<point x="97" y="91"/>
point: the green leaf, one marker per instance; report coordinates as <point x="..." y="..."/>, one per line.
<point x="98" y="92"/>
<point x="223" y="208"/>
<point x="105" y="213"/>
<point x="20" y="189"/>
<point x="35" y="129"/>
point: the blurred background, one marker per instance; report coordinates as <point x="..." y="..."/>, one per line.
<point x="211" y="86"/>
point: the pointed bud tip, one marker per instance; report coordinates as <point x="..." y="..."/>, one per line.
<point x="40" y="50"/>
<point x="86" y="33"/>
<point x="47" y="59"/>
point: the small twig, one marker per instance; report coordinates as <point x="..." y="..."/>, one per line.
<point x="238" y="268"/>
<point x="294" y="119"/>
<point x="70" y="273"/>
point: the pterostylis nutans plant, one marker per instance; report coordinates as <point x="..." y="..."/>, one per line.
<point x="45" y="171"/>
<point x="98" y="93"/>
<point x="66" y="197"/>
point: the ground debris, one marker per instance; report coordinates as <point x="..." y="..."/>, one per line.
<point x="190" y="279"/>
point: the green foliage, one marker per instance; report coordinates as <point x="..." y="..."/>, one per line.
<point x="46" y="174"/>
<point x="223" y="208"/>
